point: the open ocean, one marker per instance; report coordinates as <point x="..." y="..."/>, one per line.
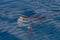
<point x="10" y="10"/>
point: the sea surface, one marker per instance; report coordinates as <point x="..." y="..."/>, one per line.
<point x="47" y="29"/>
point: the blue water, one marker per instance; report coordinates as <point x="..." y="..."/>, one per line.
<point x="7" y="36"/>
<point x="10" y="10"/>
